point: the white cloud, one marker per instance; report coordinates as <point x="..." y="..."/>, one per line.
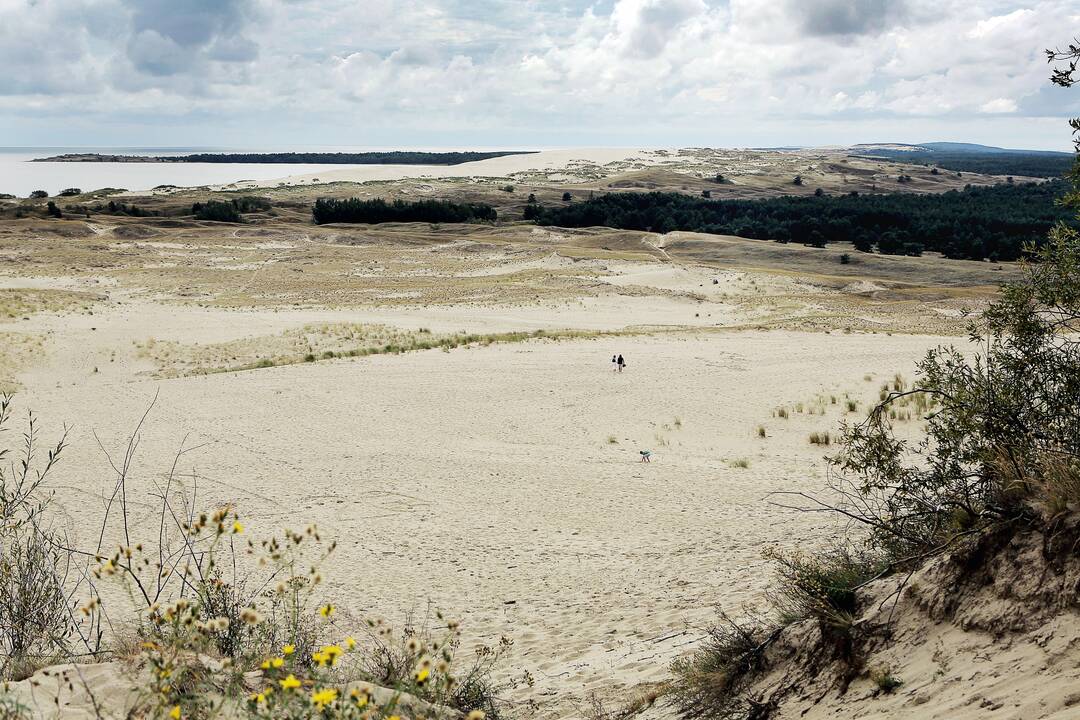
<point x="677" y="71"/>
<point x="998" y="105"/>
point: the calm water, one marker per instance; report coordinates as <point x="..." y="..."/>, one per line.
<point x="20" y="177"/>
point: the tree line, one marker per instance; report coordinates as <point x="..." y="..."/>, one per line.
<point x="229" y="210"/>
<point x="1023" y="164"/>
<point x="355" y="210"/>
<point x="396" y="157"/>
<point x="975" y="223"/>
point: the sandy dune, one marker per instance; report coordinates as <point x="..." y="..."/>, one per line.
<point x="499" y="482"/>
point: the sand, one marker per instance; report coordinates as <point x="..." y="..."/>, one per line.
<point x="500" y="483"/>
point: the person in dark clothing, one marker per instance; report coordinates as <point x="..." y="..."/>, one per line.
<point x="621" y="363"/>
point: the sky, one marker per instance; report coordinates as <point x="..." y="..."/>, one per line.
<point x="532" y="73"/>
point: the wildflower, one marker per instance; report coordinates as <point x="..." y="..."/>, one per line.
<point x="320" y="658"/>
<point x="237" y="528"/>
<point x="332" y="653"/>
<point x="175" y="712"/>
<point x="475" y="715"/>
<point x="350" y="643"/>
<point x="326" y="610"/>
<point x="288" y="650"/>
<point x="251" y="616"/>
<point x="422" y="675"/>
<point x="324" y="697"/>
<point x="289" y="683"/>
<point x="361" y="698"/>
<point x="265" y="665"/>
<point x="277" y="662"/>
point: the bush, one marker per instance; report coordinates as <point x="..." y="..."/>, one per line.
<point x="70" y="192"/>
<point x="1006" y="420"/>
<point x="36" y="608"/>
<point x="822" y="585"/>
<point x="712" y="682"/>
<point x="354" y="210"/>
<point x="217" y="211"/>
<point x="38" y="194"/>
<point x="215" y="615"/>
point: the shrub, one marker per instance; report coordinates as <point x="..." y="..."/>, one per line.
<point x="711" y="682"/>
<point x="1004" y="419"/>
<point x="217" y="211"/>
<point x="823" y="585"/>
<point x="70" y="192"/>
<point x="37" y="621"/>
<point x="38" y="194"/>
<point x="567" y="197"/>
<point x="354" y="210"/>
<point x="820" y="438"/>
<point x="216" y="616"/>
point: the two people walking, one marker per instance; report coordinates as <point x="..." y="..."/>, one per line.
<point x="617" y="363"/>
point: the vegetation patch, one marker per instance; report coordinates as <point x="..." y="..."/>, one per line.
<point x="975" y="223"/>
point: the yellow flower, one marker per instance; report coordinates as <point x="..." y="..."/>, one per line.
<point x="277" y="662"/>
<point x="265" y="665"/>
<point x="237" y="528"/>
<point x="320" y="658"/>
<point x="422" y="675"/>
<point x="288" y="650"/>
<point x="360" y="698"/>
<point x="289" y="683"/>
<point x="323" y="697"/>
<point x="326" y="610"/>
<point x="332" y="652"/>
<point x="259" y="698"/>
<point x="175" y="712"/>
<point x="350" y="643"/>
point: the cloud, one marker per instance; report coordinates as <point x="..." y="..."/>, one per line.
<point x="847" y="17"/>
<point x="339" y="70"/>
<point x="998" y="105"/>
<point x="170" y="37"/>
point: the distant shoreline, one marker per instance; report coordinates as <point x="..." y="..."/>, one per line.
<point x="397" y="157"/>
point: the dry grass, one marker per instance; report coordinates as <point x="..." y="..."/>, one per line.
<point x="326" y="342"/>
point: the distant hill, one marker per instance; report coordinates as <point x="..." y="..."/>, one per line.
<point x="971" y="157"/>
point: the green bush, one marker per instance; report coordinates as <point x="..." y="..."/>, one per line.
<point x="217" y="211"/>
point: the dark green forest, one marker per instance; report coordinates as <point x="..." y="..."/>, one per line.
<point x="354" y="210"/>
<point x="229" y="210"/>
<point x="1023" y="164"/>
<point x="975" y="223"/>
<point x="397" y="157"/>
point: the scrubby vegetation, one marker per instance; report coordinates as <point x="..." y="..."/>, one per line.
<point x="1001" y="456"/>
<point x="217" y="624"/>
<point x="354" y="210"/>
<point x="986" y="161"/>
<point x="230" y="210"/>
<point x="975" y="223"/>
